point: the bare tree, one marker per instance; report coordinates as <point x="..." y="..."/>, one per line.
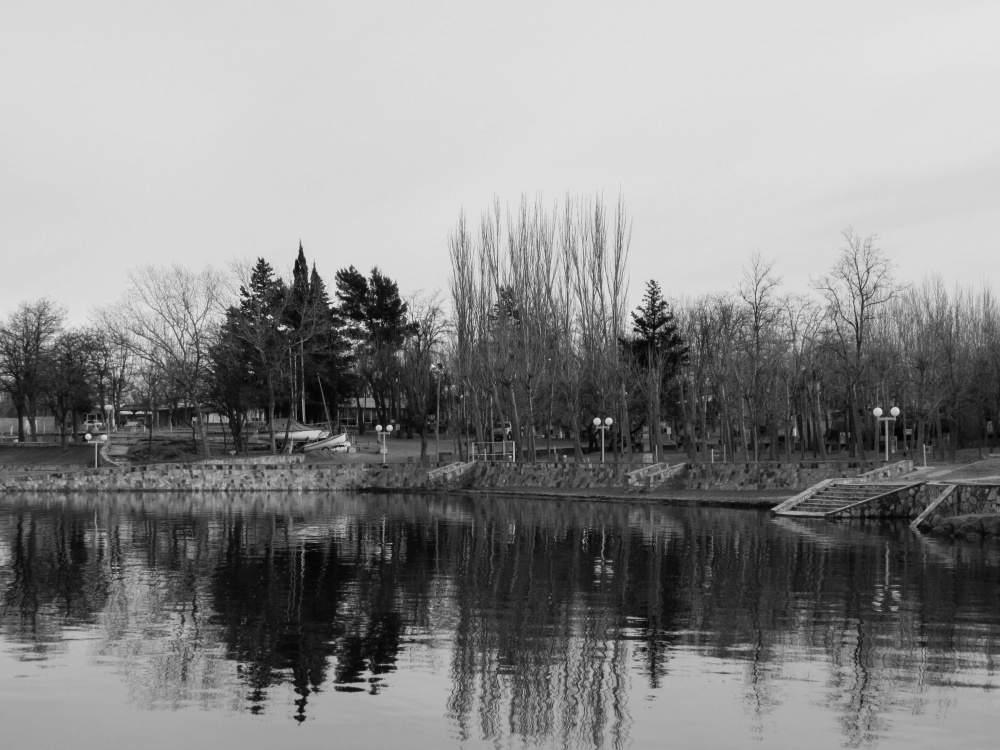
<point x="856" y="291"/>
<point x="69" y="378"/>
<point x="539" y="299"/>
<point x="803" y="374"/>
<point x="170" y="316"/>
<point x="25" y="336"/>
<point x="422" y="348"/>
<point x="760" y="349"/>
<point x="113" y="364"/>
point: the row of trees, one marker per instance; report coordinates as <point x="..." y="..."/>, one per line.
<point x="46" y="366"/>
<point x="539" y="335"/>
<point x="240" y="344"/>
<point x="543" y="339"/>
<point x="774" y="370"/>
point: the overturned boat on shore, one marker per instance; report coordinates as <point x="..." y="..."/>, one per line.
<point x="295" y="431"/>
<point x="335" y="442"/>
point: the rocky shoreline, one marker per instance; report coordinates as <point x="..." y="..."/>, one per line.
<point x="969" y="527"/>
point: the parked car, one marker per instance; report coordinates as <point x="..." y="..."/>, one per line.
<point x="503" y="432"/>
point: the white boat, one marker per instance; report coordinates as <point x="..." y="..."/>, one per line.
<point x="296" y="432"/>
<point x="334" y="441"/>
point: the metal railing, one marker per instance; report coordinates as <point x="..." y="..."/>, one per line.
<point x="499" y="450"/>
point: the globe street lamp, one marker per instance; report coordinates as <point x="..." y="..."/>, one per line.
<point x="603" y="428"/>
<point x="877" y="412"/>
<point x="97" y="442"/>
<point x="383" y="433"/>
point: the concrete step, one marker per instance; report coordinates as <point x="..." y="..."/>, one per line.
<point x="836" y="496"/>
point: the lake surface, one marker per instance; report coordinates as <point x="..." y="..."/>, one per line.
<point x="394" y="621"/>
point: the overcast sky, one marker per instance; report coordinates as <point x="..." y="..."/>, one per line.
<point x="151" y="132"/>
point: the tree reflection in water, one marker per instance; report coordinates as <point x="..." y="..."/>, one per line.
<point x="553" y="615"/>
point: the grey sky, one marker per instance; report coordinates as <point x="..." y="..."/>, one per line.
<point x="139" y="132"/>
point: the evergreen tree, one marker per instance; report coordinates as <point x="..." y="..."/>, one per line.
<point x="657" y="350"/>
<point x="250" y="360"/>
<point x="374" y="318"/>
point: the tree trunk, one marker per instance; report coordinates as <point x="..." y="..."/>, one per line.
<point x="270" y="421"/>
<point x="206" y="449"/>
<point x="689" y="442"/>
<point x="856" y="441"/>
<point x="743" y="434"/>
<point x="820" y="429"/>
<point x="531" y="422"/>
<point x="703" y="403"/>
<point x="515" y="423"/>
<point x="624" y="429"/>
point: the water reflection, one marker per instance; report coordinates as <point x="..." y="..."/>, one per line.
<point x="552" y="621"/>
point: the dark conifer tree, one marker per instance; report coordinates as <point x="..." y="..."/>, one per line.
<point x="375" y="319"/>
<point x="657" y="349"/>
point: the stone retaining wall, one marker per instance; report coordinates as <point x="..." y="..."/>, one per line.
<point x="970" y="527"/>
<point x="280" y="459"/>
<point x="906" y="502"/>
<point x="966" y="500"/>
<point x="768" y="475"/>
<point x="888" y="471"/>
<point x="199" y="477"/>
<point x="37" y="468"/>
<point x="290" y="475"/>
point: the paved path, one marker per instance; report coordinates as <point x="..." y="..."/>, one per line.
<point x="988" y="469"/>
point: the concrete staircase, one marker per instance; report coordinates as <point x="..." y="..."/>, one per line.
<point x="654" y="474"/>
<point x="452" y="471"/>
<point x="835" y="495"/>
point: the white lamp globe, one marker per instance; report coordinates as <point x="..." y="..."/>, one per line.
<point x="388" y="428"/>
<point x="378" y="428"/>
<point x="877" y="411"/>
<point x="597" y="421"/>
<point x="894" y="411"/>
<point x="609" y="421"/>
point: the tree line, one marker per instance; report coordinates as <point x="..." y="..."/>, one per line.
<point x="542" y="338"/>
<point x="241" y="343"/>
<point x="535" y="342"/>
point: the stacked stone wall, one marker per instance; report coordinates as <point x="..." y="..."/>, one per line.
<point x="971" y="527"/>
<point x="239" y="476"/>
<point x="966" y="502"/>
<point x="907" y="502"/>
<point x="281" y="459"/>
<point x="37" y="468"/>
<point x="194" y="478"/>
<point x="889" y="471"/>
<point x="768" y="475"/>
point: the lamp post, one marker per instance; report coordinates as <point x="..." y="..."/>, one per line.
<point x="96" y="441"/>
<point x="603" y="427"/>
<point x="437" y="369"/>
<point x="383" y="433"/>
<point x="877" y="412"/>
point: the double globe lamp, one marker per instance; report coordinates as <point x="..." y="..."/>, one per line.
<point x="383" y="432"/>
<point x="603" y="427"/>
<point x="877" y="412"/>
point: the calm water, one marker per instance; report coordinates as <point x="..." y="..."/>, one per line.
<point x="412" y="621"/>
